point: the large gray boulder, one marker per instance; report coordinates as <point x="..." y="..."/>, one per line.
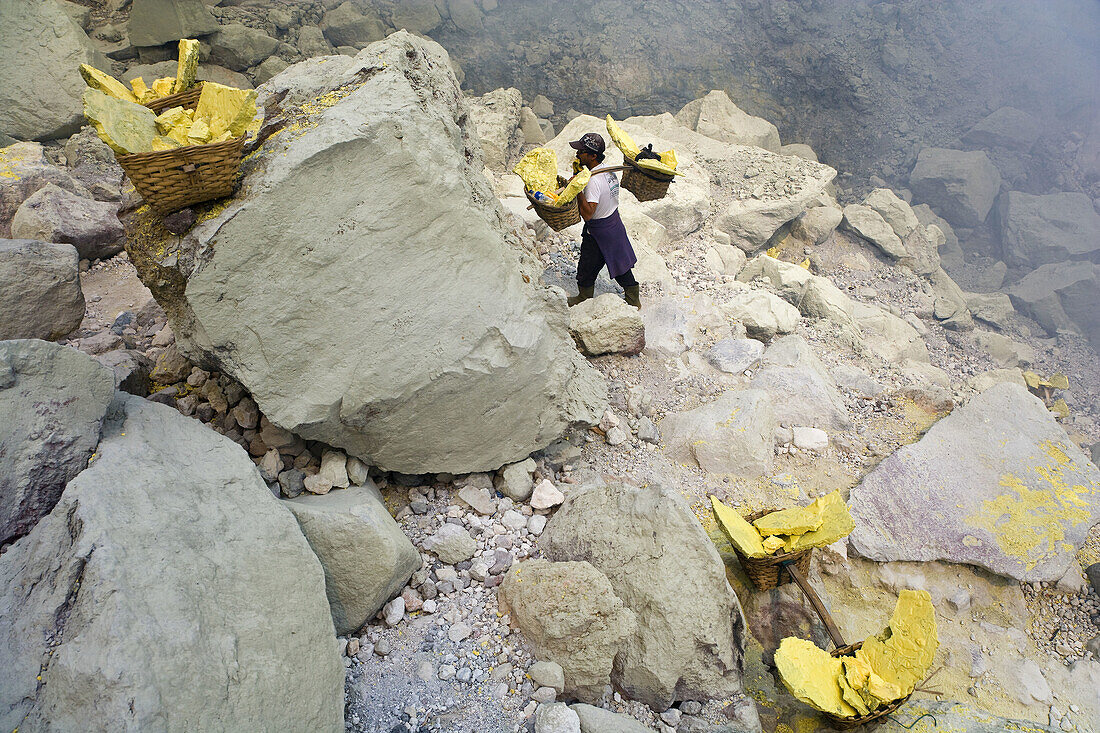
<point x="420" y="341"/>
<point x="52" y="402"/>
<point x="997" y="484"/>
<point x="690" y="639"/>
<point x="40" y="88"/>
<point x="731" y="435"/>
<point x="960" y="186"/>
<point x="570" y="615"/>
<point x="716" y="116"/>
<point x="607" y="325"/>
<point x="1061" y="296"/>
<point x="24" y="170"/>
<point x="1042" y="230"/>
<point x="155" y="22"/>
<point x="53" y="214"/>
<point x="238" y="47"/>
<point x="135" y="617"/>
<point x="40" y="295"/>
<point x="352" y="24"/>
<point x="868" y="224"/>
<point x="366" y="557"/>
<point x="1006" y="127"/>
<point x="800" y="387"/>
<point x="496" y="117"/>
<point x="762" y="313"/>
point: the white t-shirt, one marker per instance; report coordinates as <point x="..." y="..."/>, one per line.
<point x="602" y="190"/>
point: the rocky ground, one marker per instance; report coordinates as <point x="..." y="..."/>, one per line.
<point x="824" y="314"/>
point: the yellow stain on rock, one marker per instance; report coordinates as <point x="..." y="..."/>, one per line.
<point x="1029" y="522"/>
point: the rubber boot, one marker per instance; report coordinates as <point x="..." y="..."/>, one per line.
<point x="583" y="295"/>
<point x="633" y="296"/>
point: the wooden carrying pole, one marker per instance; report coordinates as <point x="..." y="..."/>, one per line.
<point x="815" y="601"/>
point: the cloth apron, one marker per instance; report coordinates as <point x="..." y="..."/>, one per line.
<point x="609" y="234"/>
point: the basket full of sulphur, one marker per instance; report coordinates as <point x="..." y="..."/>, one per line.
<point x="767" y="543"/>
<point x="175" y="155"/>
<point x="647" y="175"/>
<point x="866" y="681"/>
<point x="553" y="197"/>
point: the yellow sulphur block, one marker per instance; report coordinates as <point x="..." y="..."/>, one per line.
<point x="742" y="534"/>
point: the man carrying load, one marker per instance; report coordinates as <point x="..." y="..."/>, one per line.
<point x="604" y="240"/>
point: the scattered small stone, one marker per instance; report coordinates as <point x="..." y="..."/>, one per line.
<point x="545" y="496"/>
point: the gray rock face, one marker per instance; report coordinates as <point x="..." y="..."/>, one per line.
<point x="155" y="22"/>
<point x="656" y="555"/>
<point x="960" y="186"/>
<point x="40" y="296"/>
<point x="55" y="215"/>
<point x="716" y="116"/>
<point x="24" y="170"/>
<point x="801" y="389"/>
<point x="366" y="557"/>
<point x="1061" y="296"/>
<point x="40" y="89"/>
<point x="869" y="224"/>
<point x="131" y="615"/>
<point x="997" y="483"/>
<point x="762" y="313"/>
<point x="734" y="356"/>
<point x="351" y="24"/>
<point x="817" y="223"/>
<point x="731" y="435"/>
<point x="581" y="629"/>
<point x="894" y="211"/>
<point x="607" y="325"/>
<point x="238" y="47"/>
<point x="1007" y="127"/>
<point x="598" y="720"/>
<point x="52" y="403"/>
<point x="470" y="366"/>
<point x="496" y="117"/>
<point x="1042" y="230"/>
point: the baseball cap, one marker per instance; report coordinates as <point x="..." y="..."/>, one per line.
<point x="590" y="141"/>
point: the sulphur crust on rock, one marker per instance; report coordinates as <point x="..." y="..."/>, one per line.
<point x="742" y="534"/>
<point x="902" y="653"/>
<point x="187" y="67"/>
<point x="106" y="83"/>
<point x="126" y="127"/>
<point x="813" y="676"/>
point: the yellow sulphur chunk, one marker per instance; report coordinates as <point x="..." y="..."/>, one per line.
<point x="169" y="118"/>
<point x="795" y="520"/>
<point x="538" y="170"/>
<point x="1032" y="379"/>
<point x="882" y="689"/>
<point x="742" y="534"/>
<point x="902" y="653"/>
<point x="805" y="264"/>
<point x="668" y="158"/>
<point x="199" y="133"/>
<point x="161" y="143"/>
<point x="142" y="92"/>
<point x="852" y="695"/>
<point x="836" y="523"/>
<point x="181" y="128"/>
<point x="126" y="127"/>
<point x="1060" y="408"/>
<point x="771" y="544"/>
<point x="574" y="187"/>
<point x="106" y="83"/>
<point x="163" y="86"/>
<point x="773" y="252"/>
<point x="813" y="676"/>
<point x="187" y="67"/>
<point x="656" y="166"/>
<point x="226" y="108"/>
<point x="622" y="140"/>
<point x="1059" y="381"/>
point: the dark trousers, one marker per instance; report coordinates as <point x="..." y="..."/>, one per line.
<point x="590" y="264"/>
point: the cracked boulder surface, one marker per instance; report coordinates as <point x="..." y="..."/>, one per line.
<point x="146" y="599"/>
<point x="342" y="320"/>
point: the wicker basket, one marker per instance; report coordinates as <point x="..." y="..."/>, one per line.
<point x="557" y="217"/>
<point x="187" y="99"/>
<point x="768" y="572"/>
<point x="848" y="723"/>
<point x="645" y="185"/>
<point x="173" y="179"/>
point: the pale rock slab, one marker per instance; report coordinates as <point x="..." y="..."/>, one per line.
<point x="24" y="170"/>
<point x="186" y="618"/>
<point x="516" y="480"/>
<point x="607" y="325"/>
<point x="40" y="295"/>
<point x="731" y="435"/>
<point x="763" y="314"/>
<point x="1042" y="230"/>
<point x="1061" y="296"/>
<point x="997" y="484"/>
<point x="511" y="361"/>
<point x="366" y="557"/>
<point x="451" y="544"/>
<point x="1006" y="127"/>
<point x="801" y="390"/>
<point x="553" y="622"/>
<point x="816" y="224"/>
<point x="869" y="224"/>
<point x="716" y="116"/>
<point x="959" y="186"/>
<point x="657" y="554"/>
<point x="734" y="356"/>
<point x="893" y="210"/>
<point x="546" y="496"/>
<point x="496" y="116"/>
